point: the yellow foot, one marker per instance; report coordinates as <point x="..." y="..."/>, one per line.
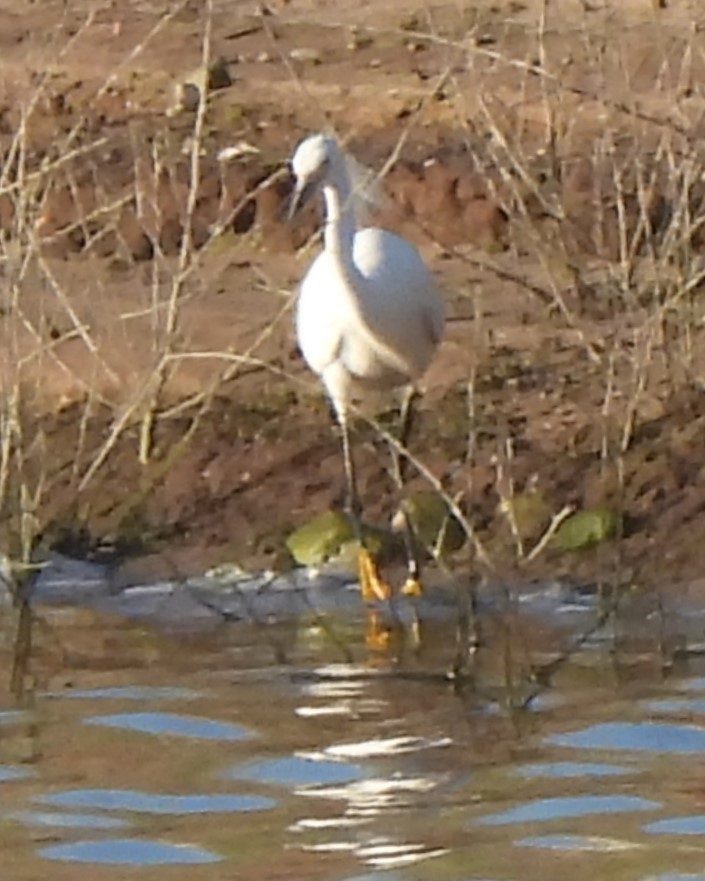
<point x="378" y="636"/>
<point x="372" y="586"/>
<point x="412" y="587"/>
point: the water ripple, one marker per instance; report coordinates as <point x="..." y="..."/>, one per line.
<point x="152" y="803"/>
<point x="558" y="770"/>
<point x="658" y="737"/>
<point x="9" y="717"/>
<point x="69" y="821"/>
<point x="175" y="724"/>
<point x="565" y="807"/>
<point x="296" y="771"/>
<point x="390" y="746"/>
<point x="9" y="773"/>
<point x="578" y="843"/>
<point x="127" y="693"/>
<point x="128" y="852"/>
<point x="676" y="705"/>
<point x="692" y="825"/>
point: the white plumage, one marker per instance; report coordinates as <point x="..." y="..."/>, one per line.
<point x="369" y="311"/>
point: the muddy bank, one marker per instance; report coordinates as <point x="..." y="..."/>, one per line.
<point x="253" y="473"/>
<point x="153" y="396"/>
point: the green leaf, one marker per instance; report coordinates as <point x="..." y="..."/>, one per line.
<point x="432" y="521"/>
<point x="320" y="538"/>
<point x="586" y="528"/>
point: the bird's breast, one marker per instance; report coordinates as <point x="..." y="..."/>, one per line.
<point x="374" y="317"/>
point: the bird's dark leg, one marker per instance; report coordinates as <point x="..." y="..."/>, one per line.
<point x="372" y="586"/>
<point x="406" y="415"/>
<point x="352" y="497"/>
<point x="399" y="463"/>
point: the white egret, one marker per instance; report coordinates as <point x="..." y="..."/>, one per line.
<point x="369" y="312"/>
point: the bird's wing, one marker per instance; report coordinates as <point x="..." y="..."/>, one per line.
<point x="402" y="305"/>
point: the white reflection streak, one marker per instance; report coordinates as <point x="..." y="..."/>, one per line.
<point x="342" y="708"/>
<point x="375" y="794"/>
<point x="390" y="746"/>
<point x="308" y="823"/>
<point x="390" y="856"/>
<point x="346" y="688"/>
<point x="331" y="847"/>
<point x="370" y="797"/>
<point x="381" y="853"/>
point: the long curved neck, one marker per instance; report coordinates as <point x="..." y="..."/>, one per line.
<point x="338" y="238"/>
<point x="339" y="232"/>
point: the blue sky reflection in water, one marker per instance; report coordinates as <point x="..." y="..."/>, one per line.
<point x="69" y="821"/>
<point x="381" y="876"/>
<point x="677" y="705"/>
<point x="576" y="843"/>
<point x="558" y="770"/>
<point x="656" y="737"/>
<point x="693" y="825"/>
<point x="390" y="774"/>
<point x="294" y="771"/>
<point x="153" y="803"/>
<point x="129" y="852"/>
<point x="11" y="717"/>
<point x="127" y="693"/>
<point x="568" y="807"/>
<point x="692" y="683"/>
<point x="173" y="724"/>
<point x="9" y="772"/>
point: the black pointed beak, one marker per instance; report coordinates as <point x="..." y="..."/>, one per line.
<point x="300" y="196"/>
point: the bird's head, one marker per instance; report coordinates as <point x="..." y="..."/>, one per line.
<point x="311" y="163"/>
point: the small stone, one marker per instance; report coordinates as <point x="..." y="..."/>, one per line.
<point x="237" y="151"/>
<point x="187" y="147"/>
<point x="410" y="23"/>
<point x="187" y="92"/>
<point x="358" y="41"/>
<point x="306" y="55"/>
<point x="485" y="40"/>
<point x="263" y="58"/>
<point x="227" y="574"/>
<point x="57" y="104"/>
<point x="219" y="74"/>
<point x="188" y="96"/>
<point x="134" y="239"/>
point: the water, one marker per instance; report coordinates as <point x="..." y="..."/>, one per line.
<point x="283" y="747"/>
